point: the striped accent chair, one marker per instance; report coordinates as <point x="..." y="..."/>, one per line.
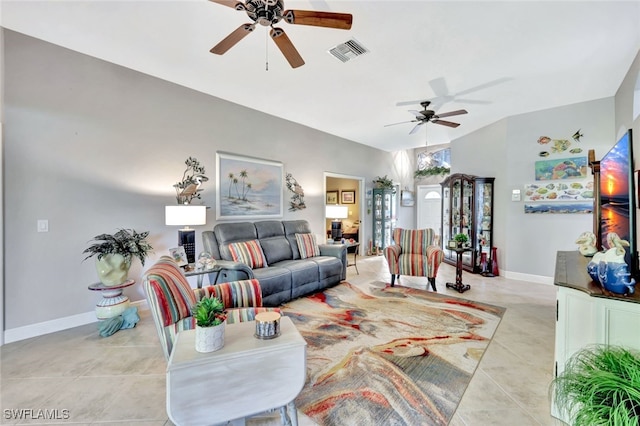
<point x="414" y="253"/>
<point x="171" y="298"/>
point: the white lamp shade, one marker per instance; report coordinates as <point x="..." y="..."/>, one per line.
<point x="337" y="212"/>
<point x="183" y="215"/>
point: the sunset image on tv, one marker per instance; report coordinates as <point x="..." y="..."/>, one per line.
<point x="614" y="191"/>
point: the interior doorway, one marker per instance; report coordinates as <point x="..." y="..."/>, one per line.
<point x="429" y="207"/>
<point x="347" y="192"/>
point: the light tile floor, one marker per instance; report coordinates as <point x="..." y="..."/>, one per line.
<point x="120" y="380"/>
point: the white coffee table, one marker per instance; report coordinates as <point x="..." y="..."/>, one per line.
<point x="246" y="377"/>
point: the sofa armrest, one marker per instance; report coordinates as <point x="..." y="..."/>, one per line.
<point x="338" y="251"/>
<point x="230" y="271"/>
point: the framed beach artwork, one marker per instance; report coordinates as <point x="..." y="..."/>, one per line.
<point x="248" y="188"/>
<point x="348" y="197"/>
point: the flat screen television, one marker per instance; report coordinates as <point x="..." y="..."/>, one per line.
<point x="617" y="198"/>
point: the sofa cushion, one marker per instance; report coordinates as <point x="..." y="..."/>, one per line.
<point x="307" y="245"/>
<point x="291" y="228"/>
<point x="227" y="233"/>
<point x="248" y="252"/>
<point x="271" y="235"/>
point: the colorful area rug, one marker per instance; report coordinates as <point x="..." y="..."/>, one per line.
<point x="389" y="355"/>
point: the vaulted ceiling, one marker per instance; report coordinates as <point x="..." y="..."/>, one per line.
<point x="493" y="58"/>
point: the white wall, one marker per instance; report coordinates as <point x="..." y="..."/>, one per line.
<point x="93" y="147"/>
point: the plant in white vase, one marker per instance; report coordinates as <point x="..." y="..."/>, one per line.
<point x="115" y="252"/>
<point x="210" y="317"/>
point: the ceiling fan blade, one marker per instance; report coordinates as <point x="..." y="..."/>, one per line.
<point x="484" y="85"/>
<point x="230" y="3"/>
<point x="446" y="123"/>
<point x="418" y="114"/>
<point x="416" y="127"/>
<point x="471" y="101"/>
<point x="286" y="47"/>
<point x="232" y="39"/>
<point x="452" y="113"/>
<point x="404" y="103"/>
<point x="402" y="122"/>
<point x="341" y="21"/>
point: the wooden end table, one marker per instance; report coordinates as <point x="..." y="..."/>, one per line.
<point x="459" y="286"/>
<point x="246" y="377"/>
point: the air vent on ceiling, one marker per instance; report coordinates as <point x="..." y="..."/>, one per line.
<point x="348" y="50"/>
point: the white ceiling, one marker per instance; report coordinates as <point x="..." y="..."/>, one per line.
<point x="494" y="59"/>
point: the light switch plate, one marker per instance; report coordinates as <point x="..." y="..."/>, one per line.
<point x="515" y="195"/>
<point x="43" y="225"/>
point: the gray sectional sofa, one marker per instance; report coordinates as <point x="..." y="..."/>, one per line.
<point x="287" y="276"/>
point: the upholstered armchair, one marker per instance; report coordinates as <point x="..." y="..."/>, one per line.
<point x="414" y="253"/>
<point x="171" y="298"/>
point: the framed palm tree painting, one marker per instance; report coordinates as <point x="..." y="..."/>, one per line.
<point x="248" y="188"/>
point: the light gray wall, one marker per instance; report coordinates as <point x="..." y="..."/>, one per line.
<point x="1" y="178"/>
<point x="94" y="147"/>
<point x="624" y="114"/>
<point x="527" y="243"/>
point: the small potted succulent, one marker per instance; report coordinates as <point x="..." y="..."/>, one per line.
<point x="115" y="252"/>
<point x="210" y="316"/>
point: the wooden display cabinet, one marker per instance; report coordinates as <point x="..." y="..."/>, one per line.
<point x="467" y="208"/>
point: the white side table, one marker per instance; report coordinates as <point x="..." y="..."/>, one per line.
<point x="246" y="377"/>
<point x="113" y="303"/>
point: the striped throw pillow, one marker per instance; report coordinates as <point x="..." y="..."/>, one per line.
<point x="248" y="252"/>
<point x="307" y="245"/>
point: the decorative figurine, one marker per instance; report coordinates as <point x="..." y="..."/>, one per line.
<point x="587" y="241"/>
<point x="610" y="269"/>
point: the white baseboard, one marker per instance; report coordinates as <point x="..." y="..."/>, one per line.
<point x="540" y="279"/>
<point x="46" y="327"/>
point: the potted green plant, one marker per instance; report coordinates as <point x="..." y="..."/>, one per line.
<point x="114" y="253"/>
<point x="600" y="385"/>
<point x="210" y="316"/>
<point x="383" y="182"/>
<point x="461" y="239"/>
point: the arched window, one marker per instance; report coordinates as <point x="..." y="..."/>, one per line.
<point x="432" y="195"/>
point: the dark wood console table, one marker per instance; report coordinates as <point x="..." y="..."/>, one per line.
<point x="459" y="286"/>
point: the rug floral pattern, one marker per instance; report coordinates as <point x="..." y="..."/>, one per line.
<point x="389" y="355"/>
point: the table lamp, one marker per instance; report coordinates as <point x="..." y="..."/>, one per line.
<point x="185" y="215"/>
<point x="337" y="212"/>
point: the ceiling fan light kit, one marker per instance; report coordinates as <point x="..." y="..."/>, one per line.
<point x="268" y="13"/>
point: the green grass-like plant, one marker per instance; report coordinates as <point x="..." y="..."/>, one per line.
<point x="209" y="312"/>
<point x="600" y="386"/>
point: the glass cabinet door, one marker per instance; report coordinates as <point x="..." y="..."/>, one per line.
<point x="384" y="217"/>
<point x="484" y="217"/>
<point x="446" y="216"/>
<point x="466" y="225"/>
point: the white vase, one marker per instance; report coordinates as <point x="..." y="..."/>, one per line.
<point x="112" y="269"/>
<point x="209" y="339"/>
